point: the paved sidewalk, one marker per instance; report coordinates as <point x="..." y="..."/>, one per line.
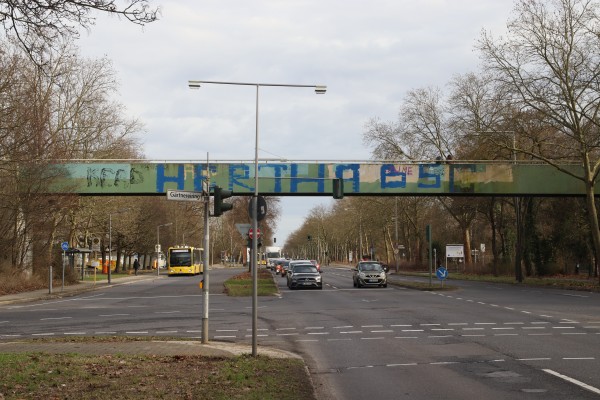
<point x="58" y="291"/>
<point x="158" y="347"/>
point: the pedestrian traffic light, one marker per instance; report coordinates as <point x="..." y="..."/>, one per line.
<point x="338" y="188"/>
<point x="219" y="207"/>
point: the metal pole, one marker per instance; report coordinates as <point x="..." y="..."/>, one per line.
<point x="518" y="250"/>
<point x="205" y="272"/>
<point x="50" y="280"/>
<point x="109" y="244"/>
<point x="157" y="253"/>
<point x="63" y="272"/>
<point x="255" y="239"/>
<point x="360" y="249"/>
<point x="397" y="250"/>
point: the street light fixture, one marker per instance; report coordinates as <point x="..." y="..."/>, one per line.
<point x="158" y="245"/>
<point x="110" y="238"/>
<point x="319" y="89"/>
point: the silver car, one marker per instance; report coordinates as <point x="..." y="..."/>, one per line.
<point x="369" y="273"/>
<point x="304" y="276"/>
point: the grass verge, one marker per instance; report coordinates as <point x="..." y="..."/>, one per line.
<point x="145" y="376"/>
<point x="557" y="282"/>
<point x="241" y="285"/>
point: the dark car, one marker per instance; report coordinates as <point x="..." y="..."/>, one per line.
<point x="304" y="276"/>
<point x="369" y="273"/>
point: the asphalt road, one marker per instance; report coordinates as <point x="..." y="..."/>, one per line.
<point x="481" y="341"/>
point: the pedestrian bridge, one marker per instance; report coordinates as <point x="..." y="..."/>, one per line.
<point x="370" y="178"/>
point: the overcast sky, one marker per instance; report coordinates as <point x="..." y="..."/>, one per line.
<point x="368" y="53"/>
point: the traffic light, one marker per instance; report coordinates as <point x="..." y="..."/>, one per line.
<point x="219" y="207"/>
<point x="338" y="188"/>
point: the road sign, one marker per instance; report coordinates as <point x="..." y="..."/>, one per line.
<point x="243" y="229"/>
<point x="251" y="233"/>
<point x="182" y="195"/>
<point x="262" y="208"/>
<point x="442" y="273"/>
<point x="64" y="246"/>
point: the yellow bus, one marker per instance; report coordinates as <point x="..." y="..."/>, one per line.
<point x="185" y="260"/>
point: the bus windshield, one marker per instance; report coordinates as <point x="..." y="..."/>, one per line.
<point x="182" y="257"/>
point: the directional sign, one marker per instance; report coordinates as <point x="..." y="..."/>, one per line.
<point x="64" y="246"/>
<point x="251" y="233"/>
<point x="442" y="273"/>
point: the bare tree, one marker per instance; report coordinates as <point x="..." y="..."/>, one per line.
<point x="550" y="64"/>
<point x="38" y="25"/>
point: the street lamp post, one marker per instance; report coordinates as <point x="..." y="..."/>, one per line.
<point x="158" y="245"/>
<point x="319" y="89"/>
<point x="110" y="239"/>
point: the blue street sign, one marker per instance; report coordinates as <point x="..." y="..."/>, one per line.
<point x="442" y="273"/>
<point x="64" y="246"/>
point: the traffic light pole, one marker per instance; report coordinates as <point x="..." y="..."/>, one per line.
<point x="205" y="269"/>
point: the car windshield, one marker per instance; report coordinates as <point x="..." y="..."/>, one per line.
<point x="305" y="269"/>
<point x="370" y="267"/>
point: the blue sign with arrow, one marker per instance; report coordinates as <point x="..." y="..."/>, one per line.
<point x="64" y="246"/>
<point x="442" y="273"/>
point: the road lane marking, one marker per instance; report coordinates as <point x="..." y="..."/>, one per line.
<point x="74" y="333"/>
<point x="56" y="318"/>
<point x="114" y="315"/>
<point x="401" y="365"/>
<point x="572" y="380"/>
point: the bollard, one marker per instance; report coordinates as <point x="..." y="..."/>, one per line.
<point x="50" y="280"/>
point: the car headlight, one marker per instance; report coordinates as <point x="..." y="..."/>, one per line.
<point x="318" y="279"/>
<point x="362" y="274"/>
